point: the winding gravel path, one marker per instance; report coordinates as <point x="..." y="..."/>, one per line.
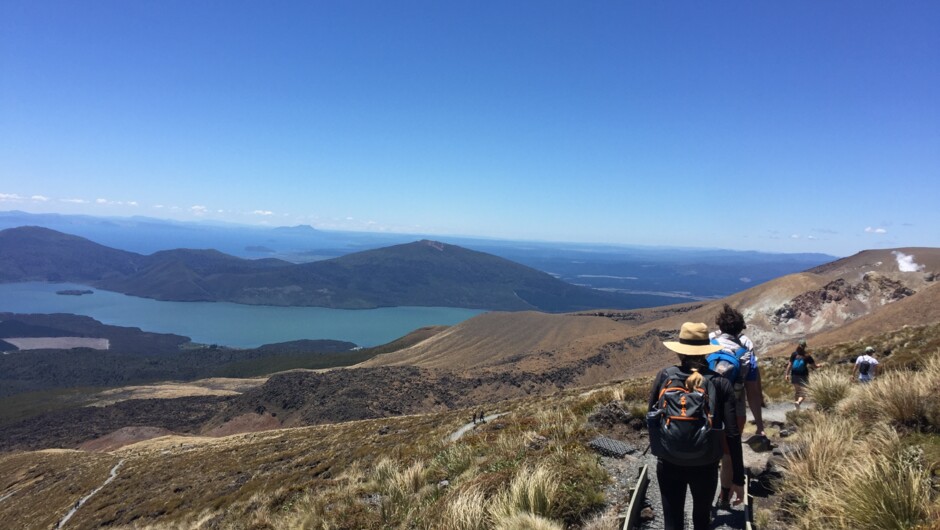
<point x="470" y="426"/>
<point x="624" y="473"/>
<point x="84" y="499"/>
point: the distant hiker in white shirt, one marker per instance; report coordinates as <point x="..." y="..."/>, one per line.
<point x="866" y="366"/>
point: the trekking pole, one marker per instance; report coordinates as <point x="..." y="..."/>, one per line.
<point x="647" y="449"/>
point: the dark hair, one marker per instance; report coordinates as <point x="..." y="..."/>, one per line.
<point x="730" y="321"/>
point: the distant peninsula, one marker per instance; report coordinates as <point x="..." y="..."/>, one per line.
<point x="75" y="292"/>
<point x="424" y="273"/>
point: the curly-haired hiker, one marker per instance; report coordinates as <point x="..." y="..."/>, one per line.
<point x="744" y="378"/>
<point x="688" y="406"/>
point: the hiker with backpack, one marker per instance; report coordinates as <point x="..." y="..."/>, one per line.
<point x="691" y="410"/>
<point x="798" y="372"/>
<point x="736" y="362"/>
<point x="866" y="366"/>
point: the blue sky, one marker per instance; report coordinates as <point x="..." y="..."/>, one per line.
<point x="783" y="126"/>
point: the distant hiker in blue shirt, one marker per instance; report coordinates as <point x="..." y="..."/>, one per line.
<point x="798" y="372"/>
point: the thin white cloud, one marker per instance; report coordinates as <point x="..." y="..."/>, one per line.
<point x="101" y="201"/>
<point x="263" y="212"/>
<point x="906" y="262"/>
<point x="198" y="209"/>
<point x="870" y="230"/>
<point x="795" y="236"/>
<point x="132" y="203"/>
<point x="10" y="197"/>
<point x="159" y="206"/>
<point x="74" y="201"/>
<point x="810" y="237"/>
<point x="40" y="198"/>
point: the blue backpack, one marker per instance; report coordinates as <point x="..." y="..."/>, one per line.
<point x="725" y="363"/>
<point x="799" y="366"/>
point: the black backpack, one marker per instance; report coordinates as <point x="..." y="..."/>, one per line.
<point x="864" y="367"/>
<point x="680" y="425"/>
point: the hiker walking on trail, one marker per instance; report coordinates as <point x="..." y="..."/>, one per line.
<point x="688" y="406"/>
<point x="866" y="366"/>
<point x="737" y="362"/>
<point x="798" y="372"/>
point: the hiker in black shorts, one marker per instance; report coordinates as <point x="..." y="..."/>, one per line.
<point x="798" y="372"/>
<point x="693" y="466"/>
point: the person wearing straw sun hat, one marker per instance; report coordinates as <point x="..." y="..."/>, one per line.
<point x="689" y="405"/>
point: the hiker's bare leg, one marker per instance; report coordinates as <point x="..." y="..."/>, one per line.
<point x="798" y="393"/>
<point x="755" y="396"/>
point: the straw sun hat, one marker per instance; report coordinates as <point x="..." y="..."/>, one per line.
<point x="693" y="340"/>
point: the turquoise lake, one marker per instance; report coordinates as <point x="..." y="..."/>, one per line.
<point x="236" y="325"/>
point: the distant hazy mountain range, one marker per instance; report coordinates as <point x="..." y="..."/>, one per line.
<point x="652" y="276"/>
<point x="424" y="273"/>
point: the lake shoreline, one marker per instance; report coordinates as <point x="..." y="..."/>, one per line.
<point x="227" y="323"/>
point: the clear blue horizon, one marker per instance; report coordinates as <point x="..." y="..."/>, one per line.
<point x="796" y="127"/>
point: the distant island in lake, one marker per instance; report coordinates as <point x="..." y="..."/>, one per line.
<point x="75" y="292"/>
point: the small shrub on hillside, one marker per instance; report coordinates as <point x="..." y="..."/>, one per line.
<point x="532" y="490"/>
<point x="403" y="490"/>
<point x="466" y="510"/>
<point x="879" y="489"/>
<point x="526" y="521"/>
<point x="383" y="471"/>
<point x="590" y="400"/>
<point x="560" y="425"/>
<point x="828" y="388"/>
<point x="853" y="469"/>
<point x="892" y="492"/>
<point x="603" y="521"/>
<point x="628" y="391"/>
<point x="902" y="398"/>
<point x="582" y="490"/>
<point x="453" y="460"/>
<point x="638" y="411"/>
<point x="825" y="443"/>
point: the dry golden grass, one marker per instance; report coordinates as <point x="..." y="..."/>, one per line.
<point x="905" y="398"/>
<point x="494" y="337"/>
<point x="532" y="490"/>
<point x="466" y="510"/>
<point x="829" y="387"/>
<point x="879" y="485"/>
<point x="526" y="521"/>
<point x="855" y="465"/>
<point x="204" y="387"/>
<point x="528" y="468"/>
<point x="43" y="485"/>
